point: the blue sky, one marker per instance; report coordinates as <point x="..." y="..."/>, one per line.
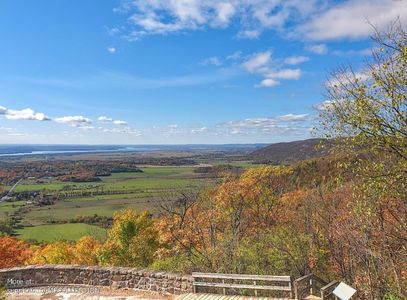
<point x="175" y="71"/>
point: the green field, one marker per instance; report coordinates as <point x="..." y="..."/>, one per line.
<point x="67" y="210"/>
<point x="70" y="232"/>
<point x="151" y="177"/>
<point x="140" y="191"/>
<point x="7" y="208"/>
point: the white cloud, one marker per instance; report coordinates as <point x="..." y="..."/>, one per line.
<point x="75" y="121"/>
<point x="16" y="134"/>
<point x="111" y="50"/>
<point x="285" y="124"/>
<point x="317" y="20"/>
<point x="317" y="49"/>
<point x="347" y="78"/>
<point x="295" y="60"/>
<point x="214" y="60"/>
<point x="249" y="34"/>
<point x="258" y="62"/>
<point x="265" y="123"/>
<point x="8" y="131"/>
<point x="119" y="122"/>
<point x="84" y="127"/>
<point x="105" y="119"/>
<point x="251" y="123"/>
<point x="199" y="130"/>
<point x="350" y="19"/>
<point x="234" y="56"/>
<point x="224" y="12"/>
<point x="289" y="74"/>
<point x="124" y="131"/>
<point x="292" y="117"/>
<point x="171" y="16"/>
<point x="24" y="114"/>
<point x="261" y="63"/>
<point x="268" y="82"/>
<point x="362" y="52"/>
<point x="327" y="104"/>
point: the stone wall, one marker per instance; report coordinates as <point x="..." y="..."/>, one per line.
<point x="115" y="277"/>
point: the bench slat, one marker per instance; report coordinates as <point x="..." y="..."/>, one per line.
<point x="242" y="277"/>
<point x="243" y="286"/>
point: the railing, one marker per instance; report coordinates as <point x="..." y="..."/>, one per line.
<point x="326" y="291"/>
<point x="227" y="282"/>
<point x="311" y="284"/>
<point x="307" y="285"/>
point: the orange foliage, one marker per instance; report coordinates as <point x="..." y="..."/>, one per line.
<point x="86" y="251"/>
<point x="13" y="252"/>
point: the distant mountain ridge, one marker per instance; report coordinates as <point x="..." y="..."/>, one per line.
<point x="289" y="152"/>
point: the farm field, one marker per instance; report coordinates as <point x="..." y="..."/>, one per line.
<point x="9" y="207"/>
<point x="70" y="232"/>
<point x="151" y="177"/>
<point x="138" y="190"/>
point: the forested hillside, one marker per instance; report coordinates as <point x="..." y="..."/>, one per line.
<point x="289" y="152"/>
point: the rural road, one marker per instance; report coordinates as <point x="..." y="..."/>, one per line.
<point x="12" y="188"/>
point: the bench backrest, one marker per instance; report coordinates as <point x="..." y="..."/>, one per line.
<point x="283" y="284"/>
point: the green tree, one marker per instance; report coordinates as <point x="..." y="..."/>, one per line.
<point x="366" y="112"/>
<point x="6" y="226"/>
<point x="132" y="241"/>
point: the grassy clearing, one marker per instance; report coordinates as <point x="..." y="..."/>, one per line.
<point x="156" y="172"/>
<point x="70" y="232"/>
<point x="139" y="191"/>
<point x="68" y="210"/>
<point x="10" y="207"/>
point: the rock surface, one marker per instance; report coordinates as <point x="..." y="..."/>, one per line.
<point x="65" y="278"/>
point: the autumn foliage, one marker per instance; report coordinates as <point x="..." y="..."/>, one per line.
<point x="264" y="221"/>
<point x="13" y="252"/>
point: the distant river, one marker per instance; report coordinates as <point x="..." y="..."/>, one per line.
<point x="25" y="150"/>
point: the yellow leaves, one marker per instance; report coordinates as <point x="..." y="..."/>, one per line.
<point x="132" y="240"/>
<point x="59" y="252"/>
<point x="86" y="251"/>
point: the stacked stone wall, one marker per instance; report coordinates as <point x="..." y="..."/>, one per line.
<point x="115" y="277"/>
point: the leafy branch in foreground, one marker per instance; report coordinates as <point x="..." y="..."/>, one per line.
<point x="367" y="111"/>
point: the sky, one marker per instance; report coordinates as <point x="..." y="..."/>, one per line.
<point x="176" y="71"/>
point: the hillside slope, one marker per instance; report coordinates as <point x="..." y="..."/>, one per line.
<point x="290" y="152"/>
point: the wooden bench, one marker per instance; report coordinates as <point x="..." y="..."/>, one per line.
<point x="282" y="284"/>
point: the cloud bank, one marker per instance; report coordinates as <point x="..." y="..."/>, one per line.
<point x="315" y="20"/>
<point x="24" y="114"/>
